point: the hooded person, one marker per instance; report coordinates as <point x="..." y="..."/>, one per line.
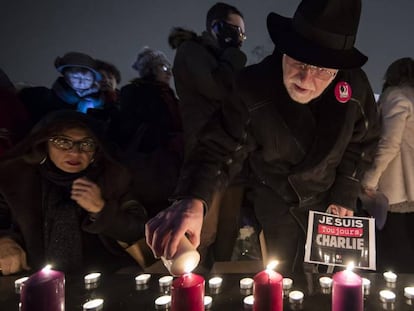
<point x="77" y="88"/>
<point x="64" y="200"/>
<point x="305" y="122"/>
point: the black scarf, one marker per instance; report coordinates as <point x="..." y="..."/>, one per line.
<point x="62" y="218"/>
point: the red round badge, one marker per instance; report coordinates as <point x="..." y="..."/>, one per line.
<point x="343" y="92"/>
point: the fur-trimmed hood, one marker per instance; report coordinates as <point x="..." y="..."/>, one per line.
<point x="179" y="35"/>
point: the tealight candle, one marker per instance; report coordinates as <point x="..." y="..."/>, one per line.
<point x="347" y="291"/>
<point x="44" y="290"/>
<point x="208" y="302"/>
<point x="409" y="292"/>
<point x="246" y="283"/>
<point x="18" y="284"/>
<point x="366" y="284"/>
<point x="93" y="305"/>
<point x="287" y="283"/>
<point x="268" y="290"/>
<point x="390" y="277"/>
<point x="325" y="282"/>
<point x="387" y="296"/>
<point x="296" y="296"/>
<point x="215" y="282"/>
<point x="142" y="279"/>
<point x="187" y="293"/>
<point x="185" y="259"/>
<point x="248" y="301"/>
<point x="92" y="278"/>
<point x="165" y="280"/>
<point x="163" y="302"/>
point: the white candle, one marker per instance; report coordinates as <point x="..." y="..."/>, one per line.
<point x="165" y="280"/>
<point x="246" y="283"/>
<point x="248" y="301"/>
<point x="142" y="279"/>
<point x="325" y="282"/>
<point x="409" y="292"/>
<point x="208" y="301"/>
<point x="390" y="277"/>
<point x="296" y="296"/>
<point x="185" y="259"/>
<point x="92" y="278"/>
<point x="93" y="305"/>
<point x="18" y="283"/>
<point x="366" y="283"/>
<point x="387" y="296"/>
<point x="163" y="302"/>
<point x="287" y="283"/>
<point x="215" y="282"/>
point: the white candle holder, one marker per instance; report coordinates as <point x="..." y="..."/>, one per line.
<point x="296" y="297"/>
<point x="325" y="282"/>
<point x="92" y="278"/>
<point x="287" y="283"/>
<point x="246" y="283"/>
<point x="390" y="277"/>
<point x="165" y="283"/>
<point x="142" y="279"/>
<point x="93" y="305"/>
<point x="215" y="282"/>
<point x="387" y="296"/>
<point x="248" y="302"/>
<point x="163" y="302"/>
<point x="366" y="284"/>
<point x="208" y="302"/>
<point x="18" y="284"/>
<point x="409" y="292"/>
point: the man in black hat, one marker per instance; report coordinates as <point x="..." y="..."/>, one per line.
<point x="305" y="121"/>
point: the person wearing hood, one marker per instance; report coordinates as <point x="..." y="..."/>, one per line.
<point x="65" y="201"/>
<point x="305" y="122"/>
<point x="204" y="69"/>
<point x="77" y="88"/>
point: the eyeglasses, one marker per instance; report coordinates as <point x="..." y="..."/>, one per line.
<point x="242" y="35"/>
<point x="66" y="144"/>
<point x="166" y="68"/>
<point x="317" y="72"/>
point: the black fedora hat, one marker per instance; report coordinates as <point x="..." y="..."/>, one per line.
<point x="321" y="33"/>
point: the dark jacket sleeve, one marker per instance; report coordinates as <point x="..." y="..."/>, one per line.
<point x="359" y="153"/>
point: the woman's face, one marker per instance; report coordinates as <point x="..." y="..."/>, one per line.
<point x="72" y="150"/>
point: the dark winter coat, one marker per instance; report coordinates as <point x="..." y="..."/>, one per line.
<point x="204" y="76"/>
<point x="306" y="154"/>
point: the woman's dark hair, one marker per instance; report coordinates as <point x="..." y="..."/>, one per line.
<point x="399" y="73"/>
<point x="34" y="147"/>
<point x="108" y="67"/>
<point x="220" y="11"/>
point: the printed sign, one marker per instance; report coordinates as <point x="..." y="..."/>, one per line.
<point x="338" y="241"/>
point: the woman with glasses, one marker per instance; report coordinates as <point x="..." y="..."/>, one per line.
<point x="64" y="201"/>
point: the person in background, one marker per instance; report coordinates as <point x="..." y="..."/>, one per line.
<point x="304" y="121"/>
<point x="14" y="118"/>
<point x="76" y="89"/>
<point x="65" y="201"/>
<point x="151" y="130"/>
<point x="111" y="77"/>
<point x="392" y="171"/>
<point x="204" y="69"/>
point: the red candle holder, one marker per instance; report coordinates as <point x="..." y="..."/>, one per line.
<point x="187" y="293"/>
<point x="268" y="291"/>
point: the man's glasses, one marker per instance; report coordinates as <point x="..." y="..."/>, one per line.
<point x="166" y="68"/>
<point x="63" y="143"/>
<point x="238" y="29"/>
<point x="317" y="72"/>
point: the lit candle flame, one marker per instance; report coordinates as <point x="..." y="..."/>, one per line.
<point x="272" y="265"/>
<point x="47" y="268"/>
<point x="350" y="266"/>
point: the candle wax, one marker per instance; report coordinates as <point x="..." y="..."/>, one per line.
<point x="187" y="293"/>
<point x="347" y="291"/>
<point x="268" y="291"/>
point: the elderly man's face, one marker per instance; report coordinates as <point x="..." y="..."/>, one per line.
<point x="79" y="78"/>
<point x="304" y="82"/>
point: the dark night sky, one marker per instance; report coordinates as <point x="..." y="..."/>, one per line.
<point x="35" y="32"/>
